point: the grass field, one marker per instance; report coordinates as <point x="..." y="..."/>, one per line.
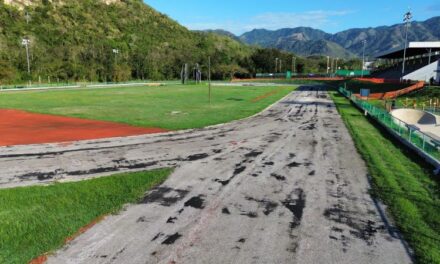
<point x="170" y="107"/>
<point x="36" y="220"/>
<point x="401" y="180"/>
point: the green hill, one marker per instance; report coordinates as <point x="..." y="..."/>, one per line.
<point x="74" y="40"/>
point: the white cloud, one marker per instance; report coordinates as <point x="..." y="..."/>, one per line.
<point x="272" y="21"/>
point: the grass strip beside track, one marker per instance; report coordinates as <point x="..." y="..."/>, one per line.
<point x="171" y="107"/>
<point x="40" y="219"/>
<point x="401" y="180"/>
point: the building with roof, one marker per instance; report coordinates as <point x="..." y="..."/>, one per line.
<point x="422" y="62"/>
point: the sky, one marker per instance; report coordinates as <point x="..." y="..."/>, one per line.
<point x="239" y="16"/>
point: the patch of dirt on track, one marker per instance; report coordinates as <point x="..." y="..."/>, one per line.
<point x="266" y="95"/>
<point x="20" y="128"/>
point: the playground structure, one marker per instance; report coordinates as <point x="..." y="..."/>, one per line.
<point x="426" y="122"/>
<point x="415" y="129"/>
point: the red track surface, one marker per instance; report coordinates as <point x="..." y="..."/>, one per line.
<point x="21" y="128"/>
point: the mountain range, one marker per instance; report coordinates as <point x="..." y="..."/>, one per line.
<point x="308" y="41"/>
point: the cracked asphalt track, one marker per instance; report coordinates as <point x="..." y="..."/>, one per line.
<point x="284" y="186"/>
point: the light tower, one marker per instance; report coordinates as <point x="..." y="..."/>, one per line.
<point x="293" y="64"/>
<point x="116" y="52"/>
<point x="407" y="19"/>
<point x="328" y="64"/>
<point x="336" y="66"/>
<point x="26" y="42"/>
<point x="364" y="42"/>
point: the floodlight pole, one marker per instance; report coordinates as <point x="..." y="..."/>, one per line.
<point x="276" y="65"/>
<point x="25" y="42"/>
<point x="328" y="64"/>
<point x="407" y="19"/>
<point x="363" y="56"/>
<point x="336" y="66"/>
<point x="116" y="52"/>
<point x="280" y="65"/>
<point x="332" y="64"/>
<point x="27" y="17"/>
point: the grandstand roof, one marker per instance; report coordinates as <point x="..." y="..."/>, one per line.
<point x="414" y="49"/>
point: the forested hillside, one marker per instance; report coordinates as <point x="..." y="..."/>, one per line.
<point x="74" y="40"/>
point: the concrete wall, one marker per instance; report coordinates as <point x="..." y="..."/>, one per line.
<point x="438" y="72"/>
<point x="425" y="73"/>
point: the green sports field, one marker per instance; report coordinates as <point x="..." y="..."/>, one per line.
<point x="170" y="107"/>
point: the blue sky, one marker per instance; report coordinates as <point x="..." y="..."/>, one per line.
<point x="239" y="16"/>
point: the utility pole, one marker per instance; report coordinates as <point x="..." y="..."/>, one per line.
<point x="281" y="66"/>
<point x="276" y="65"/>
<point x="363" y="56"/>
<point x="407" y="19"/>
<point x="25" y="42"/>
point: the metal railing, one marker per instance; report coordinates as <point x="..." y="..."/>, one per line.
<point x="432" y="110"/>
<point x="425" y="144"/>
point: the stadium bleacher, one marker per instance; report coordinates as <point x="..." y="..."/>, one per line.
<point x="422" y="63"/>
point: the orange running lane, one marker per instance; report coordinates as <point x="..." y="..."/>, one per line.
<point x="20" y="128"/>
